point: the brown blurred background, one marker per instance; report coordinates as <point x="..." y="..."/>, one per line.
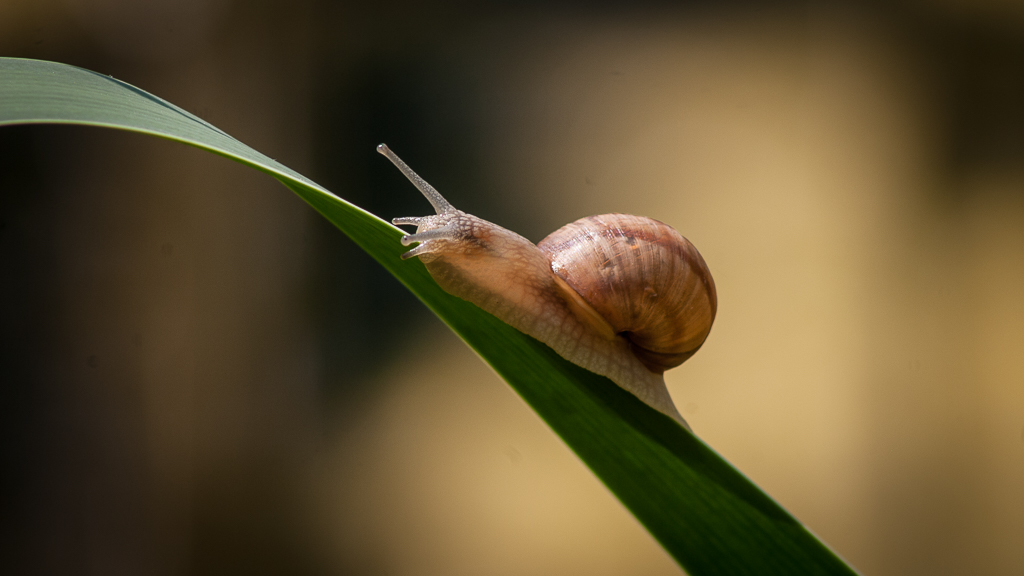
<point x="202" y="376"/>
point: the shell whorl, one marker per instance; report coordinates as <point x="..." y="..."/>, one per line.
<point x="644" y="278"/>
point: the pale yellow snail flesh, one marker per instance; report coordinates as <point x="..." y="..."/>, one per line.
<point x="624" y="296"/>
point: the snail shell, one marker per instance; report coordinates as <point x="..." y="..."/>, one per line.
<point x="644" y="278"/>
<point x="624" y="296"/>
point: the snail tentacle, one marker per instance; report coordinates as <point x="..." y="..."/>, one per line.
<point x="417" y="251"/>
<point x="445" y="233"/>
<point x="407" y="221"/>
<point x="436" y="200"/>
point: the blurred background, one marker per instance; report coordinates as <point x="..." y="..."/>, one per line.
<point x="202" y="376"/>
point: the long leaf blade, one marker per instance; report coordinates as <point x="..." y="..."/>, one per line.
<point x="705" y="513"/>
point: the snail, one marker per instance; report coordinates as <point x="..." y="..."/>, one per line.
<point x="623" y="296"/>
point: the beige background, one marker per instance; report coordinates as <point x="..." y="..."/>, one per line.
<point x="176" y="325"/>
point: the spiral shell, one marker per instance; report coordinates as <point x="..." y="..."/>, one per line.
<point x="644" y="278"/>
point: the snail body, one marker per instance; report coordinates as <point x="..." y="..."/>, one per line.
<point x="623" y="296"/>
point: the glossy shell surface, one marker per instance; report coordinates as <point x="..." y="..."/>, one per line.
<point x="644" y="278"/>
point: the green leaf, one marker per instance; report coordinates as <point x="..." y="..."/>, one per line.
<point x="705" y="513"/>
